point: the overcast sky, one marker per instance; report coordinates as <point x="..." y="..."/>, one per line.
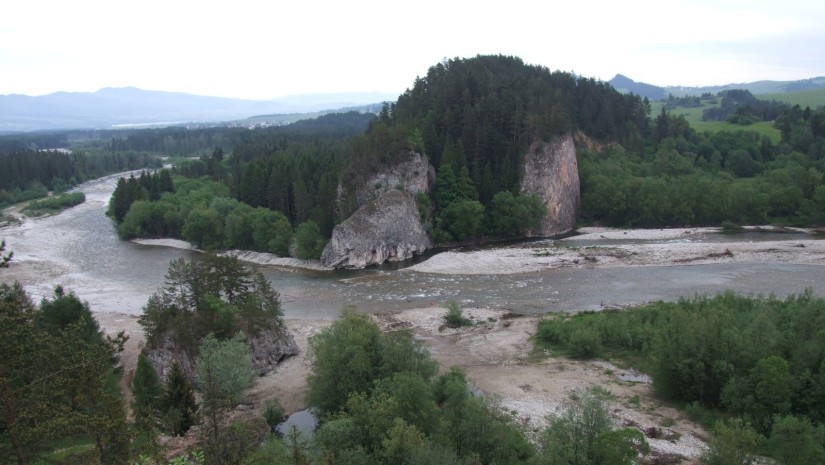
<point x="265" y="49"/>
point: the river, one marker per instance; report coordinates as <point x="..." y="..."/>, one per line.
<point x="80" y="250"/>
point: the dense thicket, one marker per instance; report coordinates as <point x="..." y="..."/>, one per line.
<point x="761" y="359"/>
<point x="58" y="382"/>
<point x="296" y="169"/>
<point x="689" y="178"/>
<point x="381" y="402"/>
<point x="741" y="107"/>
<point x="29" y="174"/>
<point x="216" y="295"/>
<point x="55" y="204"/>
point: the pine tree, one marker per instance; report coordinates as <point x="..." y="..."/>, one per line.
<point x="147" y="390"/>
<point x="179" y="401"/>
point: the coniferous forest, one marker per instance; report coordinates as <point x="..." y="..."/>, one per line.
<point x="474" y="119"/>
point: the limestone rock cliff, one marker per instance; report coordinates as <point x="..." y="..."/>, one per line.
<point x="551" y="172"/>
<point x="387" y="228"/>
<point x="414" y="175"/>
<point x="268" y="349"/>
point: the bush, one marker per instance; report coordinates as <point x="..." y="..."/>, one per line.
<point x="729" y="227"/>
<point x="273" y="413"/>
<point x="585" y="343"/>
<point x="455" y="316"/>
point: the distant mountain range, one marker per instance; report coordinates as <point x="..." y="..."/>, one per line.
<point x="625" y="84"/>
<point x="130" y="106"/>
<point x="113" y="107"/>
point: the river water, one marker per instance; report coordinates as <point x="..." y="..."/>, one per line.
<point x="80" y="250"/>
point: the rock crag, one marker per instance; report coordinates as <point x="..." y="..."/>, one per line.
<point x="268" y="349"/>
<point x="387" y="228"/>
<point x="551" y="172"/>
<point x="414" y="175"/>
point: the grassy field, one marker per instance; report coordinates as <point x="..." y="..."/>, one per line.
<point x="804" y="98"/>
<point x="694" y="117"/>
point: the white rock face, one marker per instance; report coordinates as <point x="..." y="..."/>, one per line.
<point x="551" y="172"/>
<point x="388" y="228"/>
<point x="414" y="175"/>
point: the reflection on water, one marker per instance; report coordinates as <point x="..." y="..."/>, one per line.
<point x="85" y="254"/>
<point x="303" y="420"/>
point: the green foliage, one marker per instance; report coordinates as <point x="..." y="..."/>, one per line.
<point x="309" y="243"/>
<point x="58" y="379"/>
<point x="455" y="317"/>
<point x="391" y="410"/>
<point x="585" y="343"/>
<point x="733" y="444"/>
<point x="581" y="433"/>
<point x="511" y="216"/>
<point x="224" y="368"/>
<point x="27" y="173"/>
<point x="190" y="458"/>
<point x="271" y="231"/>
<point x="676" y="179"/>
<point x="795" y="441"/>
<point x="178" y="402"/>
<point x="147" y="390"/>
<point x="273" y="413"/>
<point x="215" y="295"/>
<point x="351" y="354"/>
<point x="461" y="220"/>
<point x="5" y="259"/>
<point x="55" y="204"/>
<point x="759" y="359"/>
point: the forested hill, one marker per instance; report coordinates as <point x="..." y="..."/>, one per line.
<point x="482" y="113"/>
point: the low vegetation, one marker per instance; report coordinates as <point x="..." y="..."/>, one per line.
<point x="757" y="359"/>
<point x="455" y="316"/>
<point x="55" y="204"/>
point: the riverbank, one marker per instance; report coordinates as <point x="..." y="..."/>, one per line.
<point x="604" y="247"/>
<point x="498" y="357"/>
<point x="257" y="258"/>
<point x="653" y="247"/>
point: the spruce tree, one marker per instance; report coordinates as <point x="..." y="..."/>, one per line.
<point x="147" y="390"/>
<point x="179" y="401"/>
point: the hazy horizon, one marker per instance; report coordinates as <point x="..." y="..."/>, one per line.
<point x="260" y="51"/>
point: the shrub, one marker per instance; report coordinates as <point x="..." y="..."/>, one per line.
<point x="455" y="316"/>
<point x="585" y="343"/>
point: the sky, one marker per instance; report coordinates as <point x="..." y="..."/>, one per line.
<point x="264" y="49"/>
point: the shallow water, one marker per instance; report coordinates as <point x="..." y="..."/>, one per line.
<point x="80" y="249"/>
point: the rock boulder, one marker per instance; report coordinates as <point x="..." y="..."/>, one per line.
<point x="388" y="228"/>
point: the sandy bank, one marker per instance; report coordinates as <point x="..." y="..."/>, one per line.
<point x="258" y="258"/>
<point x="659" y="247"/>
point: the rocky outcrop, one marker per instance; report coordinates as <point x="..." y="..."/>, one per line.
<point x="414" y="175"/>
<point x="551" y="172"/>
<point x="268" y="349"/>
<point x="388" y="228"/>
